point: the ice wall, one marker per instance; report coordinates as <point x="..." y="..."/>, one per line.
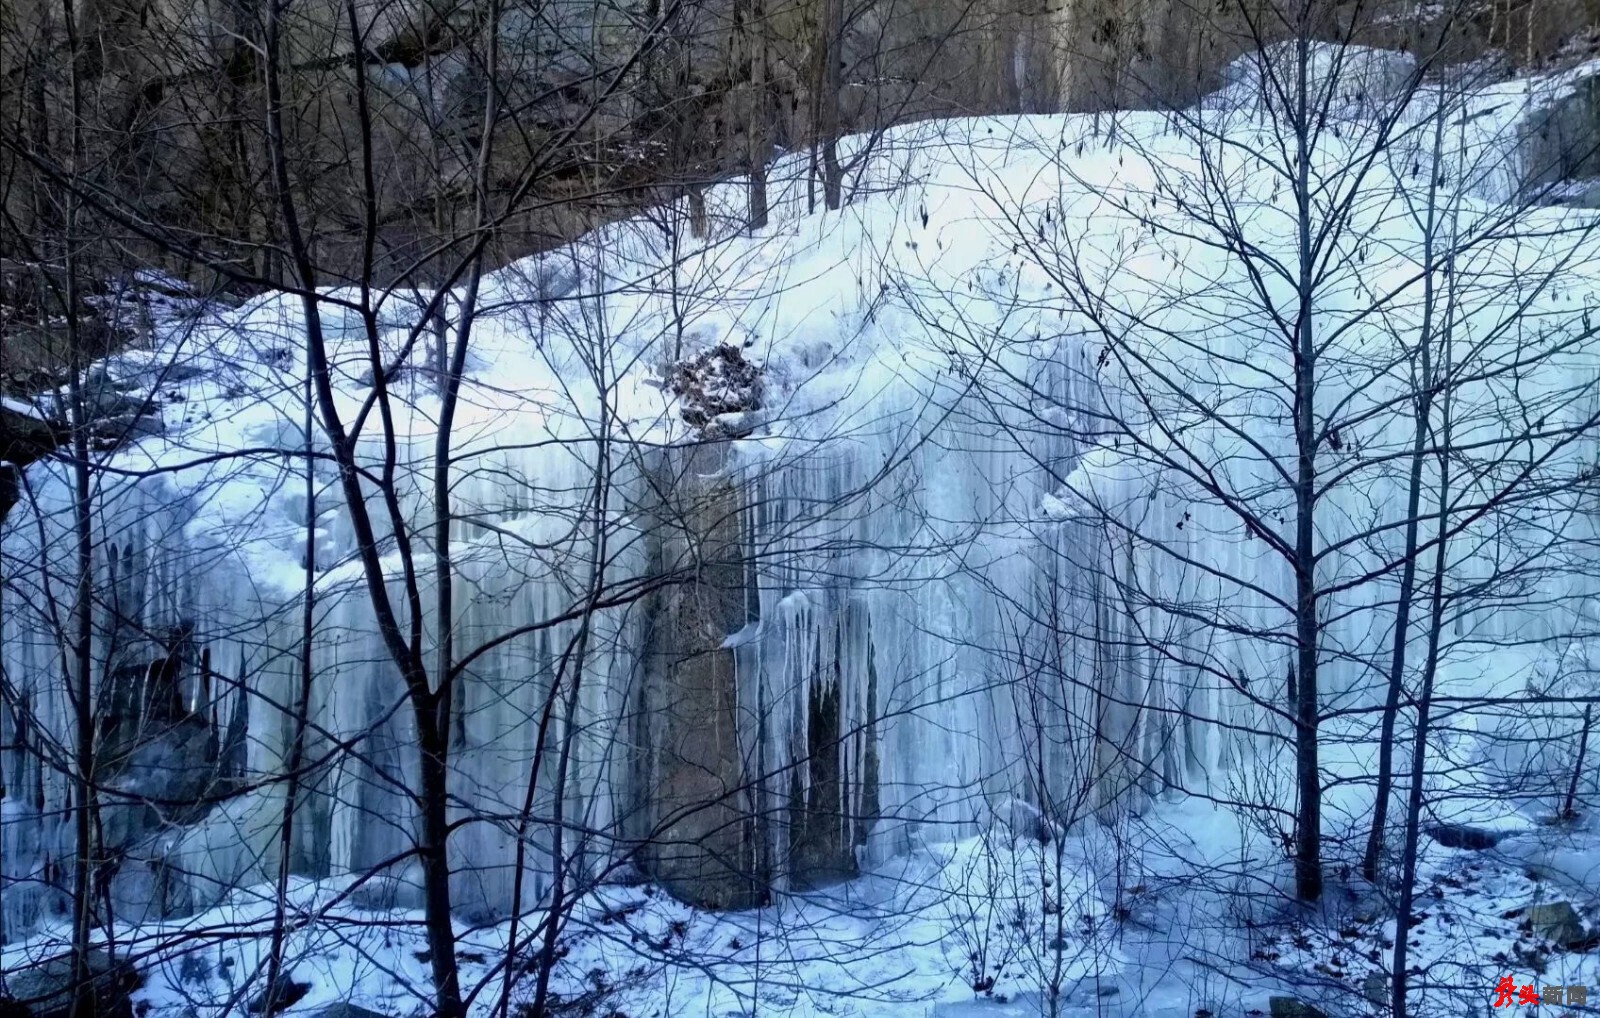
<point x="888" y="581"/>
<point x="187" y="649"/>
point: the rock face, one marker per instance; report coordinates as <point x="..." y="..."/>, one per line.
<point x="717" y="836"/>
<point x="1376" y="988"/>
<point x="704" y="847"/>
<point x="46" y="989"/>
<point x="1355" y="77"/>
<point x="280" y="996"/>
<point x="347" y="1011"/>
<point x="1025" y="820"/>
<point x="168" y="80"/>
<point x="819" y="840"/>
<point x="1517" y="35"/>
<point x="1557" y="922"/>
<point x="1478" y="839"/>
<point x="24" y="435"/>
<point x="1563" y="141"/>
<point x="1291" y="1007"/>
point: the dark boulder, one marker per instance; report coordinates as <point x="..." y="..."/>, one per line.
<point x="1478" y="839"/>
<point x="1290" y="1007"/>
<point x="342" y="1010"/>
<point x="1559" y="923"/>
<point x="45" y="989"/>
<point x="284" y="993"/>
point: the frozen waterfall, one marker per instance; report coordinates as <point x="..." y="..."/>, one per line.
<point x="879" y="593"/>
<point x="974" y="543"/>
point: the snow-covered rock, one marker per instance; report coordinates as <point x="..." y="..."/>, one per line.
<point x="1345" y="77"/>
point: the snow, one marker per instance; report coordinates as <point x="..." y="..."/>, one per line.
<point x="888" y="944"/>
<point x="925" y="500"/>
<point x="1141" y="932"/>
<point x="1469" y="933"/>
<point x="22" y="408"/>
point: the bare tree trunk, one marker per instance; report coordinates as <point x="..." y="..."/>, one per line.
<point x="434" y="729"/>
<point x="432" y="741"/>
<point x="80" y="689"/>
<point x="1308" y="833"/>
<point x="759" y="134"/>
<point x="300" y="719"/>
<point x="826" y="86"/>
<point x="433" y="748"/>
<point x="1408" y="569"/>
<point x="560" y="862"/>
<point x="750" y="46"/>
<point x="1419" y="743"/>
<point x="1569" y="809"/>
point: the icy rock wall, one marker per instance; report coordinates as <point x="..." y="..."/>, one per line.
<point x="832" y="681"/>
<point x="545" y="705"/>
<point x="828" y="673"/>
<point x="1193" y="485"/>
<point x="841" y="649"/>
<point x="703" y="839"/>
<point x="900" y="584"/>
<point x="187" y="652"/>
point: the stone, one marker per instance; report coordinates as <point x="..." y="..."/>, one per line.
<point x="1362" y="76"/>
<point x="719" y="382"/>
<point x="194" y="968"/>
<point x="394" y="374"/>
<point x="1027" y="1004"/>
<point x="1562" y="141"/>
<point x="342" y="1010"/>
<point x="555" y="276"/>
<point x="113" y="407"/>
<point x="396" y="886"/>
<point x="46" y="989"/>
<point x="704" y="851"/>
<point x="1573" y="194"/>
<point x="1477" y="839"/>
<point x="9" y="491"/>
<point x="100" y="377"/>
<point x="123" y="427"/>
<point x="1292" y="1007"/>
<point x="707" y="846"/>
<point x="1025" y="820"/>
<point x="1557" y="922"/>
<point x="283" y="995"/>
<point x="153" y="760"/>
<point x="1376" y="988"/>
<point x="739" y="424"/>
<point x="25" y="435"/>
<point x="102" y="402"/>
<point x="142" y="369"/>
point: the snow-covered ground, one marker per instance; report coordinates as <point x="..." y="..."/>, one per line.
<point x="1166" y="916"/>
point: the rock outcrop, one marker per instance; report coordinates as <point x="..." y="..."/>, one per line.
<point x="705" y="846"/>
<point x="46" y="988"/>
<point x="1562" y="141"/>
